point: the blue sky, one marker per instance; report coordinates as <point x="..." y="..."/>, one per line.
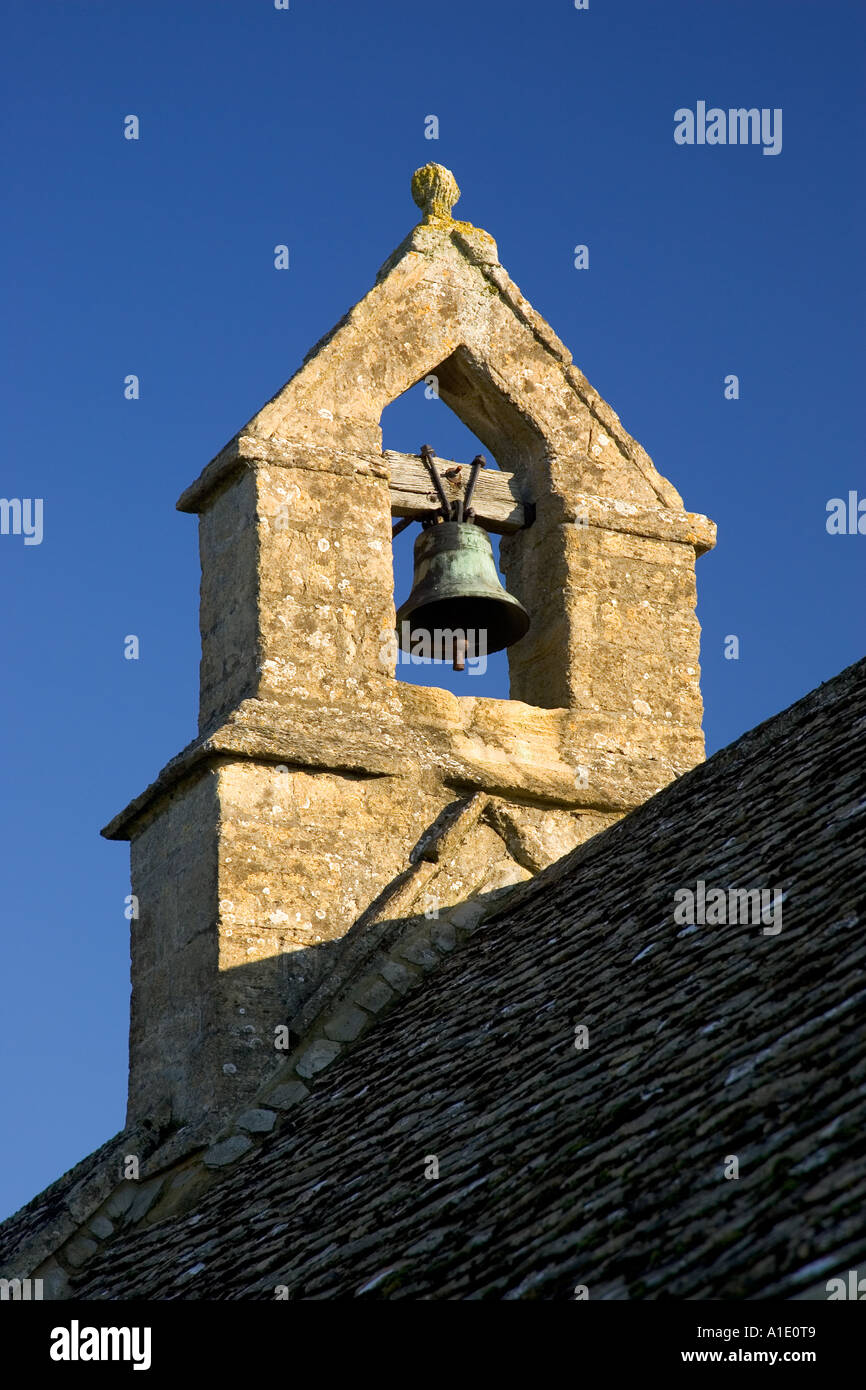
<point x="155" y="257"/>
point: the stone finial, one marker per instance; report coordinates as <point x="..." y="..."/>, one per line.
<point x="434" y="189"/>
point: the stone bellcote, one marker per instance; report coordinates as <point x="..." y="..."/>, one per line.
<point x="316" y="775"/>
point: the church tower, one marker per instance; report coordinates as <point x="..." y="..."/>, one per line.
<point x="322" y="796"/>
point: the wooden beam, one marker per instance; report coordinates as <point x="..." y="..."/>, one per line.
<point x="496" y="501"/>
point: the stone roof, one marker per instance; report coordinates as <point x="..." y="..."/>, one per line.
<point x="601" y="1166"/>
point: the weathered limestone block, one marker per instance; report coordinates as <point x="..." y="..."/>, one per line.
<point x="228" y="615"/>
<point x="174" y="955"/>
<point x="302" y="854"/>
<point x="297" y="586"/>
<point x="325" y="582"/>
<point x="536" y="836"/>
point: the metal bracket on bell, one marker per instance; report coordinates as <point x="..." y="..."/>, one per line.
<point x="460" y="509"/>
<point x="467" y="511"/>
<point x="427" y="458"/>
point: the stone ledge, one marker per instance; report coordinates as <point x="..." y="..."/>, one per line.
<point x="613" y="514"/>
<point x="248" y="451"/>
<point x="503" y="747"/>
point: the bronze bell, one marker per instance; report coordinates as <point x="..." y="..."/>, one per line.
<point x="457" y="600"/>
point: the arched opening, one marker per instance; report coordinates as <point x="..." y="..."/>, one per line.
<point x="418" y="417"/>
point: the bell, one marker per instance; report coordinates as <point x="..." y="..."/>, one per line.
<point x="457" y="601"/>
